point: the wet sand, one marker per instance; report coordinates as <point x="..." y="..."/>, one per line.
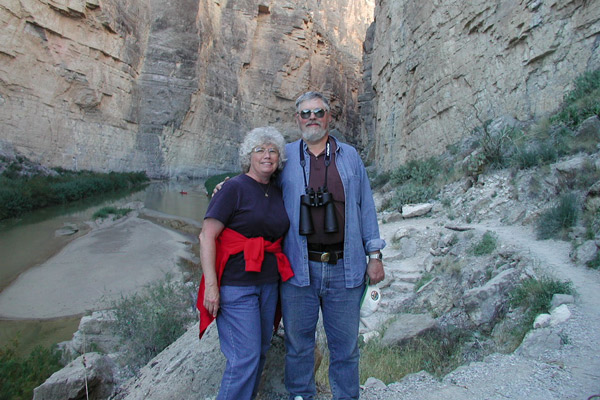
<point x="95" y="269"/>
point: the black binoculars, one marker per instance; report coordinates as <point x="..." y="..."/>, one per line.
<point x="322" y="198"/>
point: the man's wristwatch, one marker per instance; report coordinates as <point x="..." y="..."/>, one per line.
<point x="376" y="256"/>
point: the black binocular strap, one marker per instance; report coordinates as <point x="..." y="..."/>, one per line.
<point x="303" y="163"/>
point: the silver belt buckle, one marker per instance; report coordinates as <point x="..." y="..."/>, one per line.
<point x="325" y="257"/>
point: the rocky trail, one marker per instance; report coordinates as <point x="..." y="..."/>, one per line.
<point x="560" y="362"/>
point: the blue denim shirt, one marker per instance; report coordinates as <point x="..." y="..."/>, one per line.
<point x="361" y="234"/>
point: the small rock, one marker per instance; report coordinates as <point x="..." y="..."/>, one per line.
<point x="560" y="299"/>
<point x="374" y="383"/>
<point x="67" y="230"/>
<point x="542" y="321"/>
<point x="559" y="315"/>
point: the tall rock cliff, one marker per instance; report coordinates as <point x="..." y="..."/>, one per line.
<point x="436" y="69"/>
<point x="170" y="88"/>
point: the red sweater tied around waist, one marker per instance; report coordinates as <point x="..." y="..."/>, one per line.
<point x="231" y="242"/>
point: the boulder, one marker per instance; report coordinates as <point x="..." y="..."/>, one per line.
<point x="539" y="343"/>
<point x="586" y="252"/>
<point x="407" y="326"/>
<point x="559" y="299"/>
<point x="192" y="369"/>
<point x="95" y="332"/>
<point x="484" y="303"/>
<point x="89" y="377"/>
<point x="415" y="210"/>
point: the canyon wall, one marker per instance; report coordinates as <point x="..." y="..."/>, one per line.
<point x="437" y="69"/>
<point x="170" y="88"/>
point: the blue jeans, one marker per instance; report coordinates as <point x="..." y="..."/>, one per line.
<point x="245" y="324"/>
<point x="341" y="317"/>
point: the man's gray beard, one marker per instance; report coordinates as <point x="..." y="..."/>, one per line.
<point x="312" y="135"/>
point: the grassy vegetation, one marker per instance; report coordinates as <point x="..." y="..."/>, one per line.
<point x="534" y="297"/>
<point x="117" y="213"/>
<point x="435" y="352"/>
<point x="550" y="139"/>
<point x="415" y="182"/>
<point x="554" y="222"/>
<point x="21" y="194"/>
<point x="149" y="321"/>
<point x="20" y="375"/>
<point x="582" y="102"/>
<point x="423" y="280"/>
<point x="486" y="245"/>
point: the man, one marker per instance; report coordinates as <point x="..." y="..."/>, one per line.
<point x="329" y="265"/>
<point x="328" y="178"/>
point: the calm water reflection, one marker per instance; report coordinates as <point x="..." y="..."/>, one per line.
<point x="32" y="239"/>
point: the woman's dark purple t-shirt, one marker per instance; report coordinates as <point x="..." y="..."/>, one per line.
<point x="241" y="205"/>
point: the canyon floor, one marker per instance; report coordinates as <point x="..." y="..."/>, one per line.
<point x="567" y="371"/>
<point x="137" y="251"/>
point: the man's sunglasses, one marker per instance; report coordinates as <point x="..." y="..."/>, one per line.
<point x="305" y="114"/>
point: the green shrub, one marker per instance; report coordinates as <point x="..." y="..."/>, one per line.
<point x="149" y="321"/>
<point x="486" y="245"/>
<point x="380" y="179"/>
<point x="19" y="376"/>
<point x="21" y="194"/>
<point x="595" y="262"/>
<point x="422" y="172"/>
<point x="542" y="152"/>
<point x="535" y="295"/>
<point x="553" y="222"/>
<point x="585" y="177"/>
<point x="411" y="193"/>
<point x="212" y="181"/>
<point x="582" y="102"/>
<point x="104" y="212"/>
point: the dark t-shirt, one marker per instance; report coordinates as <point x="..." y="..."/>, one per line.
<point x="241" y="205"/>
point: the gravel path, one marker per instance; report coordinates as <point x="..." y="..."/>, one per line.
<point x="569" y="370"/>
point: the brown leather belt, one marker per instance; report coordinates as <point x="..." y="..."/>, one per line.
<point x="329" y="257"/>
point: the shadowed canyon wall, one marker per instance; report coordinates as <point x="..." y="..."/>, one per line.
<point x="170" y="88"/>
<point x="434" y="70"/>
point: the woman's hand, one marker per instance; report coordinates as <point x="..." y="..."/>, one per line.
<point x="211" y="299"/>
<point x="211" y="229"/>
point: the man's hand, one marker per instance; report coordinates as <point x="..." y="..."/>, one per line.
<point x="219" y="185"/>
<point x="375" y="270"/>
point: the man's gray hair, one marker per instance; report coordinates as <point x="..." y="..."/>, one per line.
<point x="257" y="137"/>
<point x="312" y="95"/>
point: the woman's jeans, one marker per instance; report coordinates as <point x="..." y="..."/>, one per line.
<point x="341" y="317"/>
<point x="245" y="324"/>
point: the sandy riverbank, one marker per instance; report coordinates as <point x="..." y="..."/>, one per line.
<point x="94" y="269"/>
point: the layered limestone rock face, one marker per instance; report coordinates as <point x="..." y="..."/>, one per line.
<point x="67" y="75"/>
<point x="435" y="70"/>
<point x="170" y="88"/>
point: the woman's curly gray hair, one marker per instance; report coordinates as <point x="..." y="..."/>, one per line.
<point x="257" y="137"/>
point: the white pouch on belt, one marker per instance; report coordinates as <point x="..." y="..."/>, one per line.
<point x="370" y="300"/>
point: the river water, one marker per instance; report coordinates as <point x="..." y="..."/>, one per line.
<point x="29" y="241"/>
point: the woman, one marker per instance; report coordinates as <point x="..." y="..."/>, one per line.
<point x="242" y="262"/>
